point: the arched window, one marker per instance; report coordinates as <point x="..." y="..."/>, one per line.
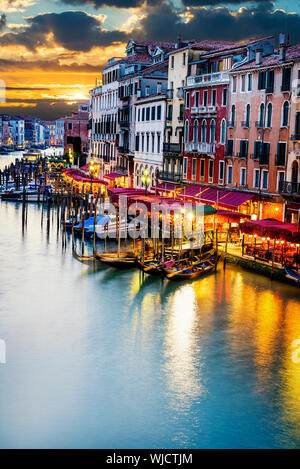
<point x="285" y="114"/>
<point x="269" y="115"/>
<point x="233" y="115"/>
<point x="186" y="131"/>
<point x="212" y="131"/>
<point x="261" y="114"/>
<point x="223" y="131"/>
<point x="203" y="131"/>
<point x="195" y="132"/>
<point x="248" y="110"/>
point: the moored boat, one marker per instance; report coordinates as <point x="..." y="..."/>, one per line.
<point x="192" y="270"/>
<point x="292" y="273"/>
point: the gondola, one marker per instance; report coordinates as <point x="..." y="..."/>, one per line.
<point x="192" y="271"/>
<point x="119" y="260"/>
<point x="84" y="259"/>
<point x="151" y="266"/>
<point x="292" y="274"/>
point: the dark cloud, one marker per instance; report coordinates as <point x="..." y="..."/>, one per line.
<point x="48" y="66"/>
<point x="113" y="3"/>
<point x="73" y="30"/>
<point x="44" y="109"/>
<point x="24" y="88"/>
<point x="218" y="23"/>
<point x="199" y="3"/>
<point x="2" y="21"/>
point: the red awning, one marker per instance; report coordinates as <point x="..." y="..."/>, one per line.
<point x="273" y="229"/>
<point x="112" y="176"/>
<point x="235" y="199"/>
<point x="80" y="176"/>
<point x="85" y="167"/>
<point x="229" y="214"/>
<point x="165" y="188"/>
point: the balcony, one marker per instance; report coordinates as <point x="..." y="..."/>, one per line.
<point x="203" y="110"/>
<point x="288" y="187"/>
<point x="124" y="123"/>
<point x="167" y="176"/>
<point x="295" y="137"/>
<point x="200" y="147"/>
<point x="123" y="149"/>
<point x="245" y="124"/>
<point x="174" y="148"/>
<point x="208" y="79"/>
<point x="259" y="124"/>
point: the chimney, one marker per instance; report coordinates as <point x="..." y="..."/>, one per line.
<point x="258" y="56"/>
<point x="283" y="43"/>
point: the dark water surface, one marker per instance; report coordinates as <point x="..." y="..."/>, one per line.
<point x="100" y="359"/>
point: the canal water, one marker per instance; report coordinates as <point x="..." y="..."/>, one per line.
<point x="105" y="359"/>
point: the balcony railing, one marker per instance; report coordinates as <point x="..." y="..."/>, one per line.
<point x="259" y="124"/>
<point x="245" y="124"/>
<point x="295" y="137"/>
<point x="203" y="109"/>
<point x="123" y="149"/>
<point x="172" y="148"/>
<point x="210" y="78"/>
<point x="200" y="147"/>
<point x="169" y="176"/>
<point x="124" y="123"/>
<point x="288" y="187"/>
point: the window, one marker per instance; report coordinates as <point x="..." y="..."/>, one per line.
<point x="205" y="98"/>
<point x="172" y="61"/>
<point x="248" y="110"/>
<point x="286" y="79"/>
<point x="256" y="175"/>
<point x="195" y="132"/>
<point x="143" y="142"/>
<point x="261" y="85"/>
<point x="194" y="168"/>
<point x="221" y="171"/>
<point x="137" y="143"/>
<point x="158" y="88"/>
<point x="281" y="154"/>
<point x="224" y="97"/>
<point x="280" y="180"/>
<point x="170" y="112"/>
<point x="153" y="113"/>
<point x="187" y="100"/>
<point x="202" y="170"/>
<point x="250" y="79"/>
<point x="234" y="80"/>
<point x="143" y="114"/>
<point x="185" y="166"/>
<point x="203" y="131"/>
<point x="265" y="177"/>
<point x="210" y="171"/>
<point x="285" y="114"/>
<point x="158" y="143"/>
<point x="158" y="113"/>
<point x="243" y="177"/>
<point x="181" y="111"/>
<point x="269" y="115"/>
<point x="212" y="131"/>
<point x="243" y="148"/>
<point x="139" y="115"/>
<point x="153" y="141"/>
<point x="147" y="143"/>
<point x="147" y="113"/>
<point x="147" y="90"/>
<point x="70" y="126"/>
<point x="197" y="96"/>
<point x="223" y="132"/>
<point x="186" y="131"/>
<point x="232" y="122"/>
<point x="184" y="59"/>
<point x="261" y="114"/>
<point x="229" y="151"/>
<point x="270" y="81"/>
<point x="214" y="97"/>
<point x="229" y="174"/>
<point x="243" y="83"/>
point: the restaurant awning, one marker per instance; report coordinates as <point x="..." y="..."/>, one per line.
<point x="85" y="167"/>
<point x="206" y="194"/>
<point x="112" y="176"/>
<point x="235" y="199"/>
<point x="273" y="229"/>
<point x="230" y="214"/>
<point x="165" y="188"/>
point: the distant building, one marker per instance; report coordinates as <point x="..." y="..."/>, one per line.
<point x="76" y="131"/>
<point x="50" y="132"/>
<point x="59" y="131"/>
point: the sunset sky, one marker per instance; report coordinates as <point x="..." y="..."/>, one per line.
<point x="51" y="52"/>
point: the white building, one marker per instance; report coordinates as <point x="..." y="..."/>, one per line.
<point x="150" y="118"/>
<point x="18" y="131"/>
<point x="60" y="131"/>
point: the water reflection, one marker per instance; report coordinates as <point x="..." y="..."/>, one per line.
<point x="101" y="358"/>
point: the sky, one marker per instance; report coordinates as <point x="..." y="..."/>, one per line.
<point x="51" y="52"/>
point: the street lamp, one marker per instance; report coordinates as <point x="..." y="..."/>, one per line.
<point x="146" y="179"/>
<point x="71" y="158"/>
<point x="92" y="169"/>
